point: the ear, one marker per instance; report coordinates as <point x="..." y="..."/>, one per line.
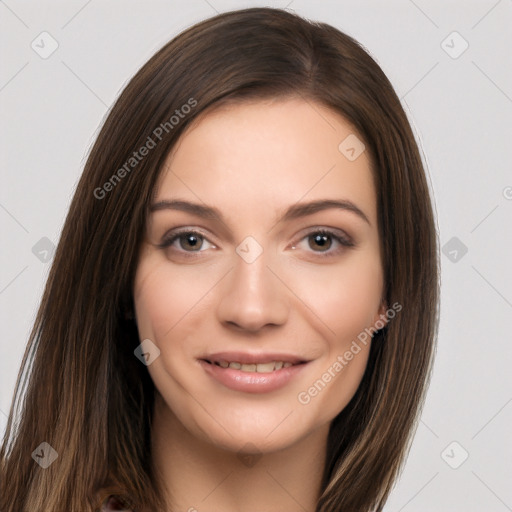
<point x="381" y="318"/>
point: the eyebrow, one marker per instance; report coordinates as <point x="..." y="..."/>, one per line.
<point x="295" y="211"/>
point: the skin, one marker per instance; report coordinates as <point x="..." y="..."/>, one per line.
<point x="252" y="161"/>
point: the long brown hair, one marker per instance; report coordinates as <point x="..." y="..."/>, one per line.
<point x="81" y="389"/>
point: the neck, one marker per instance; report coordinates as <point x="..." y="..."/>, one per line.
<point x="200" y="476"/>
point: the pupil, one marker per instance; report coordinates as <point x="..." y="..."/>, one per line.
<point x="322" y="241"/>
<point x="192" y="241"/>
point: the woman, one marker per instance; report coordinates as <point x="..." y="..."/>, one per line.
<point x="242" y="309"/>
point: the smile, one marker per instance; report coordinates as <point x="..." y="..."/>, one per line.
<point x="252" y="374"/>
<point x="258" y="368"/>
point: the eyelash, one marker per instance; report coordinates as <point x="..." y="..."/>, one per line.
<point x="343" y="241"/>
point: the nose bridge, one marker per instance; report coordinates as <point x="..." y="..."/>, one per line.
<point x="252" y="296"/>
<point x="252" y="276"/>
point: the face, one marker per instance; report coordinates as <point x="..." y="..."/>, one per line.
<point x="253" y="299"/>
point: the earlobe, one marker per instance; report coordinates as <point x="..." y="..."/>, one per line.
<point x="383" y="310"/>
<point x="381" y="319"/>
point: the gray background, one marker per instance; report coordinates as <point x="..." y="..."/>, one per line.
<point x="460" y="104"/>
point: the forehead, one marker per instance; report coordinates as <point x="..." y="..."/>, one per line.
<point x="262" y="156"/>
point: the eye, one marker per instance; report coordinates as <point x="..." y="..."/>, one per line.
<point x="188" y="241"/>
<point x="323" y="240"/>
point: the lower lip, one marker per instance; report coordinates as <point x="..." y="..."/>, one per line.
<point x="252" y="382"/>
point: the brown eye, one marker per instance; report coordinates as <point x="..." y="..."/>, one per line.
<point x="186" y="241"/>
<point x="190" y="241"/>
<point x="321" y="240"/>
<point x="326" y="243"/>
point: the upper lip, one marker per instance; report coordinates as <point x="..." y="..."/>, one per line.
<point x="248" y="358"/>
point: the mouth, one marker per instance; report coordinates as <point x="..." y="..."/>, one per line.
<point x="253" y="373"/>
<point x="254" y="363"/>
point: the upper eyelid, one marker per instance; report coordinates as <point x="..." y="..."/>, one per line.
<point x="319" y="227"/>
<point x="335" y="231"/>
<point x="179" y="231"/>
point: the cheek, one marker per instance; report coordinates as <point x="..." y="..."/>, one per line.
<point x="168" y="305"/>
<point x="359" y="298"/>
<point x="163" y="297"/>
<point x="346" y="298"/>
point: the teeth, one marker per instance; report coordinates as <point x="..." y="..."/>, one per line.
<point x="259" y="368"/>
<point x="265" y="367"/>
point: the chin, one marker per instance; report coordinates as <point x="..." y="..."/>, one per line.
<point x="254" y="441"/>
<point x="254" y="432"/>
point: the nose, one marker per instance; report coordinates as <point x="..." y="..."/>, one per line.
<point x="252" y="296"/>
